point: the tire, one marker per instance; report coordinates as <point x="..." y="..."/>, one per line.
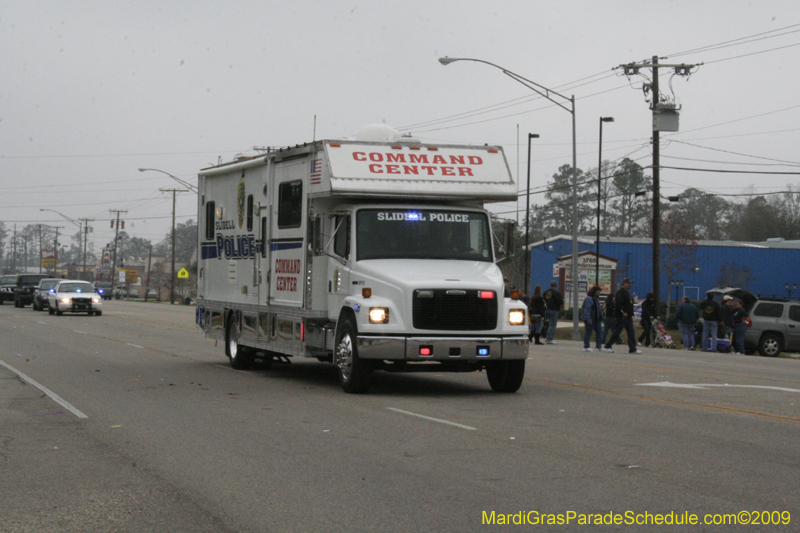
<point x="239" y="358"/>
<point x="506" y="376"/>
<point x="34" y="306"/>
<point x="59" y="312"/>
<point x="354" y="373"/>
<point x="51" y="311"/>
<point x="770" y="345"/>
<point x="98" y="313"/>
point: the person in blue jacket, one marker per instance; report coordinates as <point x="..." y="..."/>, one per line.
<point x="592" y="316"/>
<point x="687" y="314"/>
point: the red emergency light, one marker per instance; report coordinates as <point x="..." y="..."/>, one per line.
<point x="486" y="295"/>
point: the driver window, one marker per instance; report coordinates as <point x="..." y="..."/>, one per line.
<point x="341" y="242"/>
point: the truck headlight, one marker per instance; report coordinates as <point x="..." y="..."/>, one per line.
<point x="516" y="317"/>
<point x="378" y="315"/>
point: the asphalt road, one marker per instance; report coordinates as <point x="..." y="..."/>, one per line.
<point x="155" y="432"/>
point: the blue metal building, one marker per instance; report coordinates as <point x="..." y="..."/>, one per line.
<point x="772" y="264"/>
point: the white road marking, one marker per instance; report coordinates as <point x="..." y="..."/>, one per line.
<point x="55" y="397"/>
<point x="706" y="385"/>
<point x="81" y="332"/>
<point x="462" y="426"/>
<point x="135" y="345"/>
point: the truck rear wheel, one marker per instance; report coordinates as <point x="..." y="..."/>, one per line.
<point x="354" y="373"/>
<point x="238" y="355"/>
<point x="506" y="376"/>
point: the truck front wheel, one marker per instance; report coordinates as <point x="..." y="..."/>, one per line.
<point x="354" y="373"/>
<point x="506" y="376"/>
<point x="239" y="357"/>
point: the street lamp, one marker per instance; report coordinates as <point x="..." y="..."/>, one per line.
<point x="791" y="289"/>
<point x="85" y="233"/>
<point x="677" y="283"/>
<point x="182" y="182"/>
<point x="599" y="180"/>
<point x="173" y="191"/>
<point x="546" y="93"/>
<point x="527" y="214"/>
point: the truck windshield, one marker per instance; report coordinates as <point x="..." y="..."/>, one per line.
<point x="422" y="234"/>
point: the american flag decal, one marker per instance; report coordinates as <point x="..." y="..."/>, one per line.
<point x="316" y="171"/>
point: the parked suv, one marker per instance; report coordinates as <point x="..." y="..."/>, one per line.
<point x="775" y="324"/>
<point x="7" y="284"/>
<point x="23" y="291"/>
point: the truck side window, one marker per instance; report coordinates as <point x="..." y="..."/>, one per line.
<point x="210" y="212"/>
<point x="794" y="313"/>
<point x="249" y="212"/>
<point x="290" y="204"/>
<point x="341" y="243"/>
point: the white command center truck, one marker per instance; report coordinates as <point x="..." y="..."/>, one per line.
<point x="372" y="254"/>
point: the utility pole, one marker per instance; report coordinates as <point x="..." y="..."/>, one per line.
<point x="172" y="270"/>
<point x="85" y="241"/>
<point x="41" y="246"/>
<point x="665" y="118"/>
<point x="147" y="279"/>
<point x="14" y="252"/>
<point x="55" y="248"/>
<point x="116" y="239"/>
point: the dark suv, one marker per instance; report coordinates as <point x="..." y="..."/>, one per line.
<point x="41" y="293"/>
<point x="103" y="289"/>
<point x="775" y="324"/>
<point x="26" y="284"/>
<point x="7" y="284"/>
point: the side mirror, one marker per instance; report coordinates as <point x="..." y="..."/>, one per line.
<point x="509" y="232"/>
<point x="316" y="228"/>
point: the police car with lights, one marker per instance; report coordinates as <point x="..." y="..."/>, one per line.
<point x="74" y="296"/>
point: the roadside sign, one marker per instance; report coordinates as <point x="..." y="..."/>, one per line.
<point x="183" y="274"/>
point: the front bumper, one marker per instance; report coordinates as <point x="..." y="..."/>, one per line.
<point x="77" y="307"/>
<point x="442" y="348"/>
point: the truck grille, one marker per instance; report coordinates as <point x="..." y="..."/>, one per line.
<point x="458" y="310"/>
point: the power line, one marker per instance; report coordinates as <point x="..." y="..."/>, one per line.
<point x="741" y="40"/>
<point x="752" y="54"/>
<point x="727" y="162"/>
<point x="734" y="153"/>
<point x="723" y="171"/>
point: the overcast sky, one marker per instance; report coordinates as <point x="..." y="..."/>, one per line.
<point x="93" y="90"/>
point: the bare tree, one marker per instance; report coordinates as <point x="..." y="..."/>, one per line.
<point x="734" y="275"/>
<point x="679" y="245"/>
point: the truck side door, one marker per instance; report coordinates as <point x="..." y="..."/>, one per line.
<point x="338" y="265"/>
